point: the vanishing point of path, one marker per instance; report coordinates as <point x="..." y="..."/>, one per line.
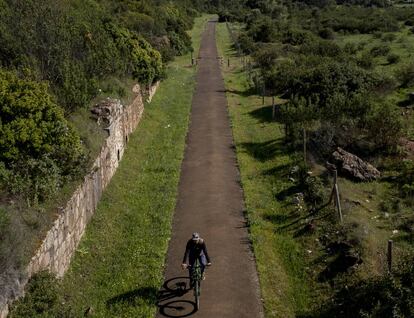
<point x="210" y="201"/>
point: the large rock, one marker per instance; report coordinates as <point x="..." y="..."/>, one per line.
<point x="354" y="166"/>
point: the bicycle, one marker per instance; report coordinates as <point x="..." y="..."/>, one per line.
<point x="195" y="282"/>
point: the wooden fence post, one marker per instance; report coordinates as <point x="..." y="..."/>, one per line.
<point x="263" y="94"/>
<point x="338" y="202"/>
<point x="304" y="145"/>
<point x="389" y="255"/>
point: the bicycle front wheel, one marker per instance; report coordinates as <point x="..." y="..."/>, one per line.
<point x="197" y="294"/>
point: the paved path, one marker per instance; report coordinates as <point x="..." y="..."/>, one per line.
<point x="211" y="202"/>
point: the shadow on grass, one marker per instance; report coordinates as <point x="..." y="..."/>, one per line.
<point x="298" y="227"/>
<point x="167" y="299"/>
<point x="264" y="114"/>
<point x="405" y="103"/>
<point x="267" y="150"/>
<point x="245" y="93"/>
<point x="280" y="171"/>
<point x="282" y="195"/>
<point x="150" y="294"/>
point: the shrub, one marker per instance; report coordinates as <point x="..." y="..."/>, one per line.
<point x="377" y="35"/>
<point x="327" y="34"/>
<point x="380" y="296"/>
<point x="380" y="50"/>
<point x="246" y="43"/>
<point x="366" y="61"/>
<point x="351" y="48"/>
<point x="389" y="37"/>
<point x="385" y="126"/>
<point x="393" y="58"/>
<point x="263" y="30"/>
<point x="296" y="37"/>
<point x="42" y="299"/>
<point x="405" y="74"/>
<point x="38" y="146"/>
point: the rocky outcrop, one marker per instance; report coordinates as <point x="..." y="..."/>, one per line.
<point x="61" y="241"/>
<point x="354" y="167"/>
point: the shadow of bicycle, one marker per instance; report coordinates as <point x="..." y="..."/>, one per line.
<point x="169" y="302"/>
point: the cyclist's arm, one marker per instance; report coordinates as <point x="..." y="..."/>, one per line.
<point x="204" y="247"/>
<point x="186" y="253"/>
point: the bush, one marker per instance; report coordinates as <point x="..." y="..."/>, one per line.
<point x="327" y="34"/>
<point x="42" y="299"/>
<point x="366" y="61"/>
<point x="263" y="30"/>
<point x="377" y="297"/>
<point x="38" y="147"/>
<point x="389" y="37"/>
<point x="393" y="58"/>
<point x="380" y="50"/>
<point x="385" y="126"/>
<point x="351" y="48"/>
<point x="296" y="37"/>
<point x="405" y="74"/>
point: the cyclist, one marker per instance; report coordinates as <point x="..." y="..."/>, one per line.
<point x="196" y="248"/>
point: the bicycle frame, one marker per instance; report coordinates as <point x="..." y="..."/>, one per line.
<point x="195" y="279"/>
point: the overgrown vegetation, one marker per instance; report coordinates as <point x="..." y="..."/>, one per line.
<point x="57" y="58"/>
<point x="119" y="267"/>
<point x="341" y="77"/>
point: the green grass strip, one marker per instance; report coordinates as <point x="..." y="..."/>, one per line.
<point x="264" y="166"/>
<point x="118" y="267"/>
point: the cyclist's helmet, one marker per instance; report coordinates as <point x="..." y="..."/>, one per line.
<point x="195" y="236"/>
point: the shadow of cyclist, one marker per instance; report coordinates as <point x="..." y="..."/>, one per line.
<point x="169" y="302"/>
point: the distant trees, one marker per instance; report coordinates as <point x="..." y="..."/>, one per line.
<point x="71" y="44"/>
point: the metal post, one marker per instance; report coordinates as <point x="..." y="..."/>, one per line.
<point x="273" y="108"/>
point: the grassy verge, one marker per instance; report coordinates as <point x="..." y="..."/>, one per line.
<point x="118" y="267"/>
<point x="263" y="164"/>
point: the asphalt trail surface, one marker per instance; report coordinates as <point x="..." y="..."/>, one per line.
<point x="210" y="201"/>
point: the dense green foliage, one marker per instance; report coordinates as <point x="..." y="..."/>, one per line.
<point x="38" y="147"/>
<point x="75" y="46"/>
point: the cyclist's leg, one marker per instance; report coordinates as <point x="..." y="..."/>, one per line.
<point x="203" y="263"/>
<point x="190" y="270"/>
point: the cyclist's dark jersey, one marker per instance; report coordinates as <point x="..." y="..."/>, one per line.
<point x="194" y="250"/>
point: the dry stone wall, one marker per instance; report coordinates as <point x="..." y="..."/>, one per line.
<point x="62" y="239"/>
